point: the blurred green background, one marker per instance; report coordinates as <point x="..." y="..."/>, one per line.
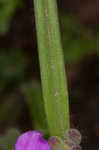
<point x="21" y="103"/>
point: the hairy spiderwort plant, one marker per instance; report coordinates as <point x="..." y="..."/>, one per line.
<point x="54" y="86"/>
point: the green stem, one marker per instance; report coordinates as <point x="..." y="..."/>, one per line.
<point x="52" y="66"/>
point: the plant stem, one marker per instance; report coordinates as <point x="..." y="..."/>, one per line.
<point x="52" y="66"/>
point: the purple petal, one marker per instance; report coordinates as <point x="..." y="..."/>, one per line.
<point x="31" y="140"/>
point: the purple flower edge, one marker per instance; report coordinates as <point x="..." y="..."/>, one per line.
<point x="31" y="140"/>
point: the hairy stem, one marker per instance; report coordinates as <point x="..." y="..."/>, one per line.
<point x="52" y="67"/>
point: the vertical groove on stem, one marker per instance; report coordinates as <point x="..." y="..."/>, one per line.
<point x="52" y="66"/>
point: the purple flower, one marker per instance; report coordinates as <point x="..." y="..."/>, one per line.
<point x="31" y="140"/>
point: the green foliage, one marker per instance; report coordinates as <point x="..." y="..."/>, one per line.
<point x="8" y="140"/>
<point x="12" y="67"/>
<point x="77" y="40"/>
<point x="7" y="11"/>
<point x="34" y="100"/>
